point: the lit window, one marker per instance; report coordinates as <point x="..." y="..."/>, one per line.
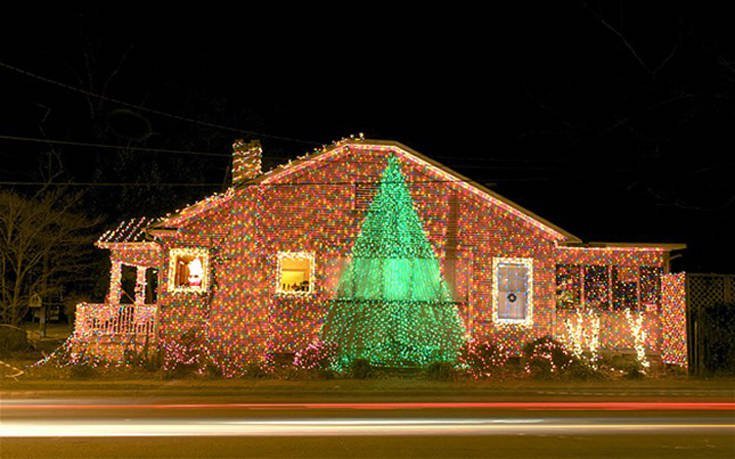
<point x="188" y="270"/>
<point x="568" y="286"/>
<point x="295" y="273"/>
<point x="513" y="290"/>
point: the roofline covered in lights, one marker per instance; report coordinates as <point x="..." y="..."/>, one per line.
<point x="654" y="246"/>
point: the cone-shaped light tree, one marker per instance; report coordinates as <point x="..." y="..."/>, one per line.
<point x="392" y="306"/>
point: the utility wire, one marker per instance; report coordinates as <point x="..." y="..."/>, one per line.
<point x="101" y="145"/>
<point x="151" y="110"/>
<point x="282" y="184"/>
<point x="109" y="184"/>
<point x="225" y="155"/>
<point x="195" y="121"/>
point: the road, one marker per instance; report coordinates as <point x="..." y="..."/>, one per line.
<point x="164" y="428"/>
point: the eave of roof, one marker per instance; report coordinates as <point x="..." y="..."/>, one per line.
<point x="127" y="231"/>
<point x="664" y="246"/>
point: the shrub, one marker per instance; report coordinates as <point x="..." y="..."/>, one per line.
<point x="82" y="371"/>
<point x="12" y="339"/>
<point x="361" y="369"/>
<point x="440" y="371"/>
<point x="626" y="365"/>
<point x="635" y="372"/>
<point x="316" y="356"/>
<point x="580" y="369"/>
<point x="152" y="362"/>
<point x="718" y="329"/>
<point x="212" y="370"/>
<point x="254" y="370"/>
<point x="182" y="352"/>
<point x="546" y="357"/>
<point x="326" y="374"/>
<point x="482" y="358"/>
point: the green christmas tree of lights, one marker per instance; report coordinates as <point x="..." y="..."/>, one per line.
<point x="392" y="306"/>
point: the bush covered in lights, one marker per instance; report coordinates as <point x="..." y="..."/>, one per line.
<point x="482" y="359"/>
<point x="546" y="357"/>
<point x="316" y="356"/>
<point x="183" y="354"/>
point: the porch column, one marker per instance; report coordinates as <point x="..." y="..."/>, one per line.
<point x="140" y="285"/>
<point x="113" y="294"/>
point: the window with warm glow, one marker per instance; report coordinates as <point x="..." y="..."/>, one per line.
<point x="295" y="273"/>
<point x="188" y="270"/>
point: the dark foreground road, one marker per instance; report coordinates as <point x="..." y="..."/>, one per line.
<point x="496" y="429"/>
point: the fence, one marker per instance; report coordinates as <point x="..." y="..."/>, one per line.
<point x="704" y="290"/>
<point x="115" y="320"/>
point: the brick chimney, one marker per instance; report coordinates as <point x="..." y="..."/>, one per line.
<point x="246" y="161"/>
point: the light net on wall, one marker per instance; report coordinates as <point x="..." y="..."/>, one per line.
<point x="392" y="306"/>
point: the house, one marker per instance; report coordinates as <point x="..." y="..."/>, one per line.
<point x="251" y="271"/>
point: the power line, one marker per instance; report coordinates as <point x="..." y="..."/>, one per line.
<point x="224" y="155"/>
<point x="206" y="123"/>
<point x="274" y="185"/>
<point x="101" y="145"/>
<point x="151" y="110"/>
<point x="110" y="184"/>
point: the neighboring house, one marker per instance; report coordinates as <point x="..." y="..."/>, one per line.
<point x="253" y="269"/>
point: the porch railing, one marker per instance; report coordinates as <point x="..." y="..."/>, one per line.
<point x="121" y="320"/>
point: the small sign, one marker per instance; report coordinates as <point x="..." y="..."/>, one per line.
<point x="35" y="301"/>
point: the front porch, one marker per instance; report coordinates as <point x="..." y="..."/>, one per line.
<point x="129" y="314"/>
<point x="120" y="323"/>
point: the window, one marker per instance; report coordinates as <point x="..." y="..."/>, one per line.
<point x="650" y="285"/>
<point x="625" y="287"/>
<point x="188" y="270"/>
<point x="513" y="288"/>
<point x="295" y="274"/>
<point x="597" y="286"/>
<point x="568" y="286"/>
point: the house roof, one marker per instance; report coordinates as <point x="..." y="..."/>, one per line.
<point x="276" y="174"/>
<point x="132" y="230"/>
<point x="412" y="155"/>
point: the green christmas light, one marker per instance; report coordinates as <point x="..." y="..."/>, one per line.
<point x="392" y="306"/>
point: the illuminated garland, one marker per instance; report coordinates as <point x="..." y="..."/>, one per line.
<point x="673" y="323"/>
<point x="639" y="338"/>
<point x="582" y="337"/>
<point x="246" y="160"/>
<point x="482" y="359"/>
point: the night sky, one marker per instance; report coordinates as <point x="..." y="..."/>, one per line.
<point x="614" y="121"/>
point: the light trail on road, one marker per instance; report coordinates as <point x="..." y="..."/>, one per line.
<point x="351" y="427"/>
<point x="386" y="406"/>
